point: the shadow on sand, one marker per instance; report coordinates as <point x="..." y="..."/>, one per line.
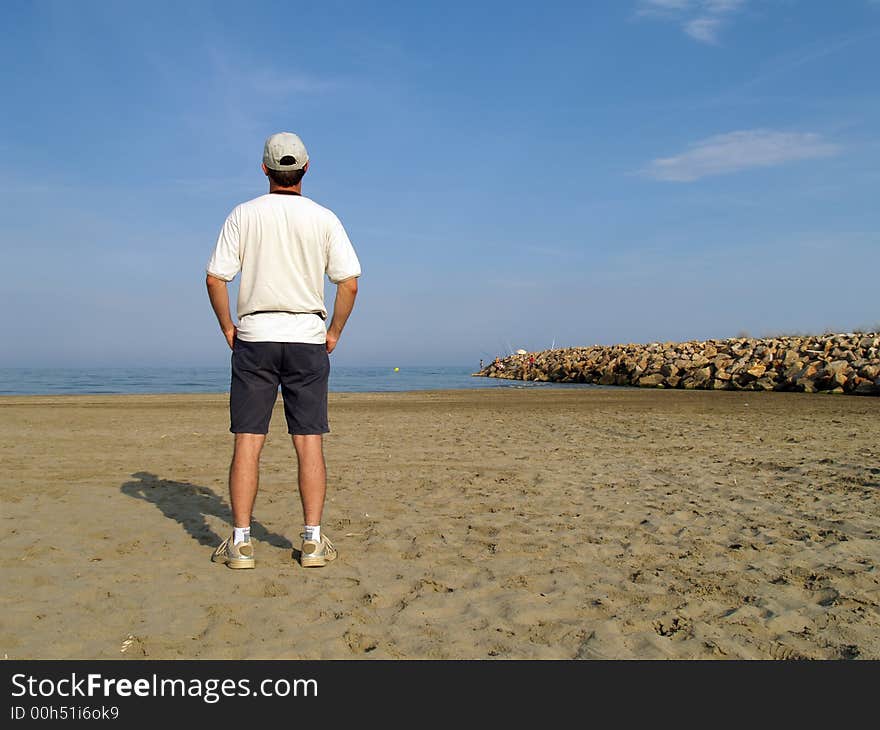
<point x="189" y="504"/>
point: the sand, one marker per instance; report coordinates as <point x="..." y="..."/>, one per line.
<point x="500" y="523"/>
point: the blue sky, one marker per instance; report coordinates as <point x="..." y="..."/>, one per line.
<point x="511" y="174"/>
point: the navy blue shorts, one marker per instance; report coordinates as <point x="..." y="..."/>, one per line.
<point x="301" y="370"/>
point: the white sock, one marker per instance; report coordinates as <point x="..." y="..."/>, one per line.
<point x="312" y="532"/>
<point x="241" y="534"/>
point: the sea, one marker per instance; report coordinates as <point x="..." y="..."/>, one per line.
<point x="81" y="381"/>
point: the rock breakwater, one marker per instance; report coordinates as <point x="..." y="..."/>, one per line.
<point x="829" y="363"/>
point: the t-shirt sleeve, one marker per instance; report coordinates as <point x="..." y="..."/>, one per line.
<point x="342" y="261"/>
<point x="225" y="262"/>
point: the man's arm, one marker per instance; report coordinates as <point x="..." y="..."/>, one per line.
<point x="346" y="291"/>
<point x="219" y="297"/>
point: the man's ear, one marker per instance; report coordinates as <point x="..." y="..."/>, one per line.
<point x="306" y="167"/>
<point x="265" y="171"/>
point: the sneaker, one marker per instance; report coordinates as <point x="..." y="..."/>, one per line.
<point x="235" y="556"/>
<point x="315" y="554"/>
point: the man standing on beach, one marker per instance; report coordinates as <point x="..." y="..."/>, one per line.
<point x="283" y="244"/>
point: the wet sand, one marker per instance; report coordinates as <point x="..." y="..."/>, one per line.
<point x="499" y="523"/>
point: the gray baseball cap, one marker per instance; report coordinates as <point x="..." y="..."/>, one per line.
<point x="285" y="151"/>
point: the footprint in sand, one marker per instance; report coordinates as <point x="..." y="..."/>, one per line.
<point x="358" y="643"/>
<point x="133" y="646"/>
<point x="273" y="589"/>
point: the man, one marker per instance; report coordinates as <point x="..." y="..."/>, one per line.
<point x="283" y="244"/>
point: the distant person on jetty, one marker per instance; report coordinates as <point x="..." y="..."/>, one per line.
<point x="283" y="244"/>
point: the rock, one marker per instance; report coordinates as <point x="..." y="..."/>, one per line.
<point x="756" y="371"/>
<point x="866" y="387"/>
<point x="824" y="377"/>
<point x="809" y="370"/>
<point x="702" y="375"/>
<point x="842" y="376"/>
<point x="837" y="363"/>
<point x="791" y="357"/>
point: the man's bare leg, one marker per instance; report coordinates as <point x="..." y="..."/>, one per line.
<point x="312" y="476"/>
<point x="244" y="476"/>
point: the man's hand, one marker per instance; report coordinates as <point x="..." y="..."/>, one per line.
<point x="220" y="302"/>
<point x="346" y="291"/>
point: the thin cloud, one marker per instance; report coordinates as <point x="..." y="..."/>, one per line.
<point x="703" y="29"/>
<point x="723" y="6"/>
<point x="660" y="7"/>
<point x="12" y="182"/>
<point x="701" y="20"/>
<point x="271" y="82"/>
<point x="265" y="82"/>
<point x="547" y="251"/>
<point x="735" y="151"/>
<point x="513" y="283"/>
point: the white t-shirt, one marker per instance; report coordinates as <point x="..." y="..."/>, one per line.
<point x="283" y="244"/>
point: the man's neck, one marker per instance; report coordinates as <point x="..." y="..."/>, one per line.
<point x="295" y="190"/>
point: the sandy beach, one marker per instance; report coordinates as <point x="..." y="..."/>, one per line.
<point x="520" y="523"/>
